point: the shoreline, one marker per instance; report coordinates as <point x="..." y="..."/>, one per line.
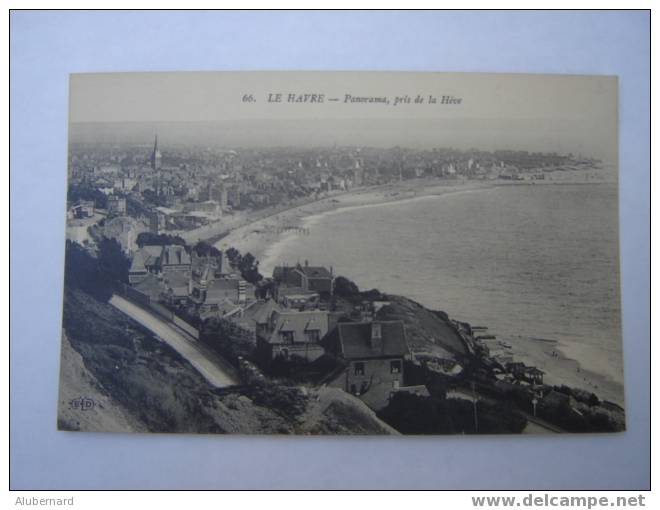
<point x="561" y="369"/>
<point x="266" y="237"/>
<point x="259" y="236"/>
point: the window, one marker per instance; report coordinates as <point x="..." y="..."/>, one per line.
<point x="358" y="368"/>
<point x="313" y="335"/>
<point x="286" y="336"/>
<point x="395" y="367"/>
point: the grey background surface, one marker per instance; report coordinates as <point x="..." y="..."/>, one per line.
<point x="46" y="46"/>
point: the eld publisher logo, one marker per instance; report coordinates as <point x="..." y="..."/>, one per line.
<point x="82" y="404"/>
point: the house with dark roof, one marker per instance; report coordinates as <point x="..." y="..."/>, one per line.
<point x="177" y="285"/>
<point x="308" y="278"/>
<point x="158" y="259"/>
<point x="146" y="260"/>
<point x="150" y="287"/>
<point x="174" y="258"/>
<point x="373" y="353"/>
<point x="255" y="316"/>
<point x="289" y="334"/>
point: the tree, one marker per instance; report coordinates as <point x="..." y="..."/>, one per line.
<point x="265" y="288"/>
<point x="249" y="267"/>
<point x="204" y="249"/>
<point x="82" y="271"/>
<point x="233" y="255"/>
<point x="112" y="260"/>
<point x="228" y="339"/>
<point x="85" y="191"/>
<point x="346" y="288"/>
<point x="412" y="414"/>
<point x="151" y="239"/>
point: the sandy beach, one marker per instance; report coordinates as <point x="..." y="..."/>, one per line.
<point x="560" y="369"/>
<point x="263" y="236"/>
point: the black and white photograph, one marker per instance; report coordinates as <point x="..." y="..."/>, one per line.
<point x="342" y="253"/>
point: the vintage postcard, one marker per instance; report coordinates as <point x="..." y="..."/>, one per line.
<point x="342" y="253"/>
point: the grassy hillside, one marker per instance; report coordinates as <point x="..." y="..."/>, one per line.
<point x="426" y="330"/>
<point x="159" y="391"/>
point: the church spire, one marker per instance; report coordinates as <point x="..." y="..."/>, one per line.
<point x="155" y="155"/>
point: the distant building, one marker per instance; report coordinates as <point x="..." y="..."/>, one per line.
<point x="223" y="197"/>
<point x="116" y="205"/>
<point x="520" y="371"/>
<point x="83" y="209"/>
<point x="157" y="222"/>
<point x="373" y="353"/>
<point x="125" y="231"/>
<point x="358" y="175"/>
<point x="233" y="194"/>
<point x="210" y="206"/>
<point x="289" y="334"/>
<point x="124" y="183"/>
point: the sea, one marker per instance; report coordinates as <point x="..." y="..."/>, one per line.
<point x="527" y="261"/>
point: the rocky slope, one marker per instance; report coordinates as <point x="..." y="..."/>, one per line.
<point x="141" y="384"/>
<point x="83" y="403"/>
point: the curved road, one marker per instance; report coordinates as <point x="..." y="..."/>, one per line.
<point x="214" y="369"/>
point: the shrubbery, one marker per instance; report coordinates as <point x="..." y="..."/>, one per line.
<point x="288" y="401"/>
<point x="246" y="264"/>
<point x="346" y="289"/>
<point x="228" y="339"/>
<point x="151" y="239"/>
<point x="84" y="191"/>
<point x="300" y="370"/>
<point x="95" y="276"/>
<point x="412" y="414"/>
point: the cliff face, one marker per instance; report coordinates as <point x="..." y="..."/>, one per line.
<point x="427" y="331"/>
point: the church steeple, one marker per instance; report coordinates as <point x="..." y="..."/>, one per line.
<point x="155" y="156"/>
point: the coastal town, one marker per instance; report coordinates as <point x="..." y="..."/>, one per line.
<point x="148" y="233"/>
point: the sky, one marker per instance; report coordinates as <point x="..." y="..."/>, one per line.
<point x="549" y="113"/>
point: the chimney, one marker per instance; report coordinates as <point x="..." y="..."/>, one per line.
<point x="306" y="263"/>
<point x="376" y="336"/>
<point x="242" y="291"/>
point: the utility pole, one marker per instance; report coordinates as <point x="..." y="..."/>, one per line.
<point x="474" y="407"/>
